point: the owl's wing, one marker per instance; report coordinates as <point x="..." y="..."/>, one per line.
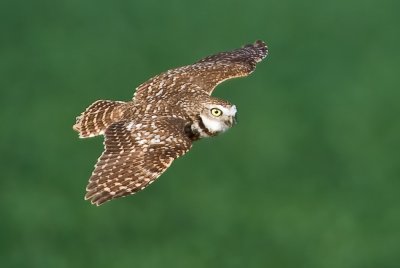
<point x="208" y="72"/>
<point x="135" y="155"/>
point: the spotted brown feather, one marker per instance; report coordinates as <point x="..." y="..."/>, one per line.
<point x="168" y="113"/>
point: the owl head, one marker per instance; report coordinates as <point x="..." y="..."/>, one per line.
<point x="214" y="118"/>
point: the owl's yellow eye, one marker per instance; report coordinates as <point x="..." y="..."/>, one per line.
<point x="216" y="112"/>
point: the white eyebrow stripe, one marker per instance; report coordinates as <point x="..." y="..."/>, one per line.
<point x="229" y="112"/>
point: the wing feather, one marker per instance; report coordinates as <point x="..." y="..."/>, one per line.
<point x="209" y="71"/>
<point x="135" y="156"/>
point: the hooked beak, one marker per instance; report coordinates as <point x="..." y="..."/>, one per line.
<point x="232" y="121"/>
<point x="235" y="119"/>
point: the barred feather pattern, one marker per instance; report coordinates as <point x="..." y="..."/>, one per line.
<point x="135" y="155"/>
<point x="97" y="117"/>
<point x="207" y="73"/>
<point x="168" y="113"/>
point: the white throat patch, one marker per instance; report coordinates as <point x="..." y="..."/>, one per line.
<point x="213" y="124"/>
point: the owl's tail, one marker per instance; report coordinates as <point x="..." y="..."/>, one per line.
<point x="97" y="117"/>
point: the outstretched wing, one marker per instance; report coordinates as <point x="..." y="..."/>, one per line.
<point x="135" y="155"/>
<point x="206" y="73"/>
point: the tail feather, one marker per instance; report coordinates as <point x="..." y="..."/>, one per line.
<point x="97" y="117"/>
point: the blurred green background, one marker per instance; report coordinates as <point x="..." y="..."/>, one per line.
<point x="308" y="178"/>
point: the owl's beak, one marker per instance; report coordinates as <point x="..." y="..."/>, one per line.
<point x="235" y="119"/>
<point x="232" y="121"/>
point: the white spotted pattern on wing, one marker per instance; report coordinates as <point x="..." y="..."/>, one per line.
<point x="168" y="112"/>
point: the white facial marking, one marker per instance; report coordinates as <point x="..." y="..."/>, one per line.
<point x="213" y="124"/>
<point x="231" y="111"/>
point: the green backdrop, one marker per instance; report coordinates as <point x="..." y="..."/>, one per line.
<point x="310" y="176"/>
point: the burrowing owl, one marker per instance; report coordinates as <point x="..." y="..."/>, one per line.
<point x="167" y="113"/>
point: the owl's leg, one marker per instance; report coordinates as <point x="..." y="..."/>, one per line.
<point x="97" y="117"/>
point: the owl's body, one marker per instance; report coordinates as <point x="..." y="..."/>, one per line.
<point x="167" y="113"/>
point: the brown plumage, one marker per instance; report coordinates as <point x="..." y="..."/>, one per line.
<point x="167" y="113"/>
